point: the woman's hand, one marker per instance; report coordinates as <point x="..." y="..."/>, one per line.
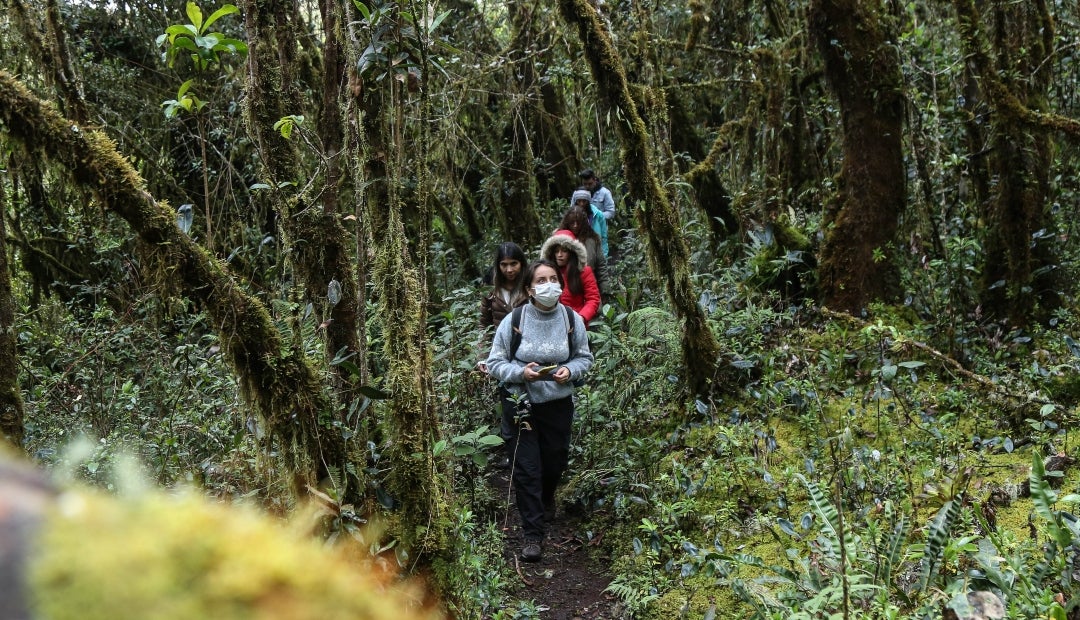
<point x="530" y="372"/>
<point x="562" y="375"/>
<point x="482" y="366"/>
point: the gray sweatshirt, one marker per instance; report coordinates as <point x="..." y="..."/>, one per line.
<point x="543" y="340"/>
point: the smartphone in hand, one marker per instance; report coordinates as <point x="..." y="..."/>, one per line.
<point x="545" y="372"/>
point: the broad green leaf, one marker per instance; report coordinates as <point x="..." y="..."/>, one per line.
<point x="180" y="30"/>
<point x="912" y="364"/>
<point x="184" y="88"/>
<point x="373" y="393"/>
<point x="185" y="43"/>
<point x="194" y="13"/>
<point x="888" y="372"/>
<point x="206" y="42"/>
<point x="438" y="20"/>
<point x="360" y="6"/>
<point x="226" y="9"/>
<point x="787" y="527"/>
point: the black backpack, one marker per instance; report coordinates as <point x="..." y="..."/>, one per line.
<point x="515" y="334"/>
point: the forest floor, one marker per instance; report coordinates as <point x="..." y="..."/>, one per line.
<point x="569" y="582"/>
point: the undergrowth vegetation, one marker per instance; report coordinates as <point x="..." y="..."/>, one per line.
<point x="848" y="466"/>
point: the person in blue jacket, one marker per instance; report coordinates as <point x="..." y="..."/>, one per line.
<point x="581" y="199"/>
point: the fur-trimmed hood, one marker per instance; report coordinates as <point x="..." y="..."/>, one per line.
<point x="566" y="239"/>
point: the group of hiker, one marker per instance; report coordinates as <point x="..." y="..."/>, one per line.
<point x="540" y="350"/>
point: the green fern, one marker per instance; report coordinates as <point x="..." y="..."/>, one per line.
<point x="937" y="537"/>
<point x="826" y="512"/>
<point x="652" y="322"/>
<point x="893" y="550"/>
<point x="1044" y="498"/>
<point x="636" y="598"/>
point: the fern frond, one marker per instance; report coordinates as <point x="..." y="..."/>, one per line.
<point x="337" y="479"/>
<point x="893" y="550"/>
<point x="936" y="539"/>
<point x="1044" y="498"/>
<point x="652" y="322"/>
<point x="635" y="598"/>
<point x="826" y="512"/>
<point x="637" y="383"/>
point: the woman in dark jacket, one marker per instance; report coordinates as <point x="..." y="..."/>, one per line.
<point x="509" y="290"/>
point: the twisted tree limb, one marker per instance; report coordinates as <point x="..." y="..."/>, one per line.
<point x="279" y="384"/>
<point x="657" y="221"/>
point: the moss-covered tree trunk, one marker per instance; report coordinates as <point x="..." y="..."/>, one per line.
<point x="382" y="135"/>
<point x="11" y="405"/>
<point x="278" y="383"/>
<point x="316" y="243"/>
<point x="555" y="159"/>
<point x="346" y="330"/>
<point x="467" y="162"/>
<point x="863" y="69"/>
<point x="1020" y="280"/>
<point x="709" y="192"/>
<point x="657" y="221"/>
<point x="558" y="176"/>
<point x="520" y="222"/>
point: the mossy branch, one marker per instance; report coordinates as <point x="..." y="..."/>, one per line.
<point x="719" y="146"/>
<point x="657" y="220"/>
<point x="1003" y="100"/>
<point x="283" y="388"/>
<point x="951" y="364"/>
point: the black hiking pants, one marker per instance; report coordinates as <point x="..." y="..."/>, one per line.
<point x="540" y="448"/>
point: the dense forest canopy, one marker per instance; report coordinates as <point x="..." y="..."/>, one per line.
<point x="247" y="243"/>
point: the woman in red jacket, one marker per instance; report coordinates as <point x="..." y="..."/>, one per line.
<point x="581" y="293"/>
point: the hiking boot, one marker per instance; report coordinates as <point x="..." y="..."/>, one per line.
<point x="532" y="551"/>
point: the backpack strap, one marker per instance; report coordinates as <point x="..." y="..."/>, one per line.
<point x="515" y="330"/>
<point x="569" y="331"/>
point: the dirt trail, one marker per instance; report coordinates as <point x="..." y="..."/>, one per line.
<point x="566" y="584"/>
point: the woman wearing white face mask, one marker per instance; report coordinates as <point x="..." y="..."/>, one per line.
<point x="537" y="366"/>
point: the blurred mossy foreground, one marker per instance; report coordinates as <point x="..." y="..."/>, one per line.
<point x="159" y="556"/>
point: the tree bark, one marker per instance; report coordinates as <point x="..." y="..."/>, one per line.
<point x="313" y="234"/>
<point x="398" y="273"/>
<point x="279" y="384"/>
<point x="11" y="404"/>
<point x="657" y="221"/>
<point x="1020" y="280"/>
<point x="863" y="69"/>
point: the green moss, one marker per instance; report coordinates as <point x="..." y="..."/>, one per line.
<point x="184" y="558"/>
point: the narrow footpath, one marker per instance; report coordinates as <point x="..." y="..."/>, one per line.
<point x="567" y="584"/>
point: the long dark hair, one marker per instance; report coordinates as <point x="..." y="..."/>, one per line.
<point x="576" y="221"/>
<point x="509" y="250"/>
<point x="573" y="269"/>
<point x="543" y="262"/>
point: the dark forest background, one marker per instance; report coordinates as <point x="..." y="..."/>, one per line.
<point x="245" y="244"/>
